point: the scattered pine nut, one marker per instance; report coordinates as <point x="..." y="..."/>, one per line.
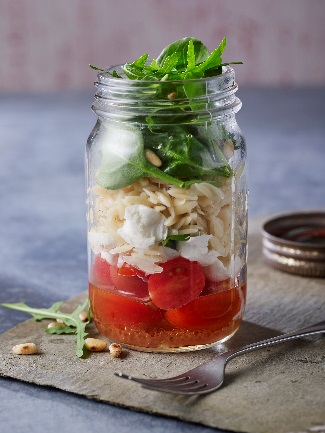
<point x="83" y="316"/>
<point x="153" y="158"/>
<point x="172" y="95"/>
<point x="25" y="349"/>
<point x="115" y="350"/>
<point x="95" y="345"/>
<point x="53" y="324"/>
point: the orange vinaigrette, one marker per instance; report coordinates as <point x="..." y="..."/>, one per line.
<point x="142" y="325"/>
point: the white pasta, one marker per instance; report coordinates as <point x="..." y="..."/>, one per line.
<point x="216" y="226"/>
<point x="200" y="209"/>
<point x="164" y="199"/>
<point x="171" y="220"/>
<point x="159" y="208"/>
<point x="185" y="208"/>
<point x="121" y="249"/>
<point x="188" y="231"/>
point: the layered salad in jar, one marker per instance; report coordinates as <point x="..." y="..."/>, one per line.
<point x="167" y="212"/>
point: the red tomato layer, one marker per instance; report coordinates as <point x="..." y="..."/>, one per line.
<point x="101" y="272"/>
<point x="180" y="282"/>
<point x="207" y="312"/>
<point x="126" y="279"/>
<point x="129" y="285"/>
<point x="116" y="310"/>
<point x="212" y="287"/>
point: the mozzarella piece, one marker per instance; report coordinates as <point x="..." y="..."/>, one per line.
<point x="99" y="241"/>
<point x="146" y="261"/>
<point x="196" y="249"/>
<point x="216" y="271"/>
<point x="110" y="258"/>
<point x="143" y="226"/>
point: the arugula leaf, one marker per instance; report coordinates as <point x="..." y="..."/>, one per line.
<point x="171" y="240"/>
<point x="60" y="330"/>
<point x="169" y="64"/>
<point x="214" y="60"/>
<point x="141" y="61"/>
<point x="71" y="320"/>
<point x="190" y="56"/>
<point x="113" y="73"/>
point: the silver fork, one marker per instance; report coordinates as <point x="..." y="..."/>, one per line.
<point x="209" y="376"/>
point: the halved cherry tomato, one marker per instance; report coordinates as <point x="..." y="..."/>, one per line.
<point x="132" y="285"/>
<point x="180" y="282"/>
<point x="216" y="286"/>
<point x="101" y="272"/>
<point x="207" y="312"/>
<point x="130" y="271"/>
<point x="125" y="279"/>
<point x="111" y="309"/>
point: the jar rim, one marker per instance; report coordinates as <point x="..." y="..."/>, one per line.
<point x="106" y="77"/>
<point x="125" y="98"/>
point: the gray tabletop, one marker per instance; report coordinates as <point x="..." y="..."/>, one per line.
<point x="43" y="228"/>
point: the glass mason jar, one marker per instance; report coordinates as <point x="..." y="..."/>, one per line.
<point x="167" y="212"/>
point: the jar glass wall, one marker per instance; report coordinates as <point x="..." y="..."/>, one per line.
<point x="167" y="212"/>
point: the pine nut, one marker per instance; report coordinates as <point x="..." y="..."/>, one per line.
<point x="83" y="316"/>
<point x="172" y="95"/>
<point x="228" y="148"/>
<point x="25" y="349"/>
<point x="153" y="158"/>
<point x="115" y="350"/>
<point x="95" y="345"/>
<point x="53" y="324"/>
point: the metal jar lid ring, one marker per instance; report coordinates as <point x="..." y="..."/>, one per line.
<point x="295" y="243"/>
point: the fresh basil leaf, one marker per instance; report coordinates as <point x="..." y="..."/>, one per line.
<point x="212" y="137"/>
<point x="185" y="156"/>
<point x="181" y="47"/>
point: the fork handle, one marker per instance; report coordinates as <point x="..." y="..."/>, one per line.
<point x="310" y="330"/>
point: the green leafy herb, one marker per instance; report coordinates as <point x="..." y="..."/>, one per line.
<point x="72" y="321"/>
<point x="170" y="241"/>
<point x="187" y="155"/>
<point x="183" y="59"/>
<point x="114" y="73"/>
<point x="125" y="163"/>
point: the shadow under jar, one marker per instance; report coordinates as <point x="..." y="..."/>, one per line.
<point x="167" y="212"/>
